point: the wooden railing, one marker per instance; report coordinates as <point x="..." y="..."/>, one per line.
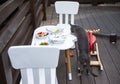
<point x="18" y="19"/>
<point x="93" y="2"/>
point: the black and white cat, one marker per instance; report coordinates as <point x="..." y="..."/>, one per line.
<point x="83" y="48"/>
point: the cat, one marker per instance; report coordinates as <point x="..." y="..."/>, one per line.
<point x="83" y="48"/>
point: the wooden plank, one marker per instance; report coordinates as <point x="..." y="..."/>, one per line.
<point x="7" y="8"/>
<point x="61" y="69"/>
<point x="84" y="17"/>
<point x="16" y="39"/>
<point x="81" y="17"/>
<point x="111" y="71"/>
<point x="22" y="31"/>
<point x="37" y="5"/>
<point x="44" y="8"/>
<point x="54" y="18"/>
<point x="39" y="15"/>
<point x="97" y="20"/>
<point x="78" y="18"/>
<point x="13" y="25"/>
<point x="39" y="19"/>
<point x="113" y="16"/>
<point x="113" y="26"/>
<point x="39" y="9"/>
<point x="49" y="10"/>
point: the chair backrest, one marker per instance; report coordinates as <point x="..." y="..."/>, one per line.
<point x="37" y="64"/>
<point x="66" y="9"/>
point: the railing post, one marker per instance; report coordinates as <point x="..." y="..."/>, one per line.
<point x="33" y="13"/>
<point x="44" y="9"/>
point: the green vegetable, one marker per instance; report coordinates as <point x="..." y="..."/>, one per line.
<point x="57" y="31"/>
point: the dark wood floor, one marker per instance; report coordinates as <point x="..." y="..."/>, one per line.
<point x="107" y="19"/>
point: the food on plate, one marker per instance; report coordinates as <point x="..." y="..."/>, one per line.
<point x="57" y="30"/>
<point x="40" y="34"/>
<point x="44" y="43"/>
<point x="54" y="30"/>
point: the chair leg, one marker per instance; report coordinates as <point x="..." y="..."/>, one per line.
<point x="56" y="80"/>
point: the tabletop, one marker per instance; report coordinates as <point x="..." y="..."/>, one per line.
<point x="57" y="36"/>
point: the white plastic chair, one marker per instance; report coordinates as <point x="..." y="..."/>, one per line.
<point x="67" y="8"/>
<point x="37" y="64"/>
<point x="67" y="11"/>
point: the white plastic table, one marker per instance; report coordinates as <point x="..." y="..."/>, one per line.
<point x="66" y="45"/>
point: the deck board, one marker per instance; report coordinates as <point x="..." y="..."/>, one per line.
<point x="108" y="62"/>
<point x="107" y="19"/>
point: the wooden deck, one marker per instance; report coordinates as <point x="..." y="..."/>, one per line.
<point x="107" y="19"/>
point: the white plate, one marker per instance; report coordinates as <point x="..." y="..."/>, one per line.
<point x="54" y="30"/>
<point x="40" y="37"/>
<point x="57" y="39"/>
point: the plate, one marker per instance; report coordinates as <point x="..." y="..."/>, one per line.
<point x="57" y="39"/>
<point x="54" y="30"/>
<point x="41" y="35"/>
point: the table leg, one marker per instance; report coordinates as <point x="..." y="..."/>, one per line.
<point x="67" y="52"/>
